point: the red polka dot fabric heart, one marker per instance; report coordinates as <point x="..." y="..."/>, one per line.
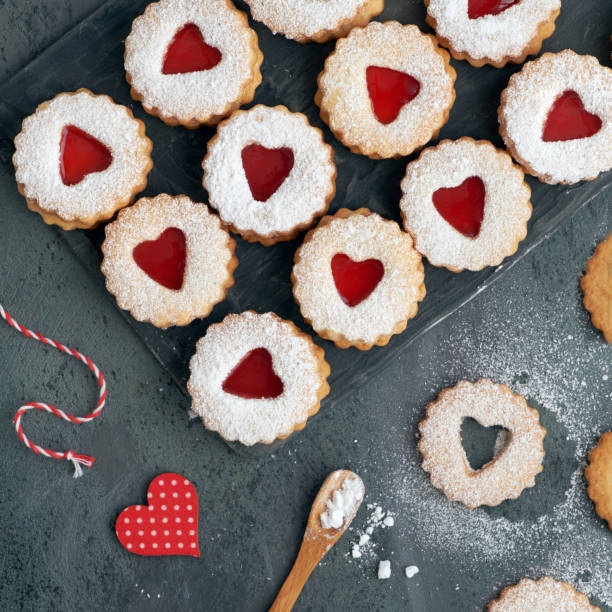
<point x="168" y="525"/>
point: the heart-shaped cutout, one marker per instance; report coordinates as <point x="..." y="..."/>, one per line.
<point x="482" y="444"/>
<point x="569" y="120"/>
<point x="355" y="280"/>
<point x="80" y="155"/>
<point x="254" y="377"/>
<point x="163" y="259"/>
<point x="168" y="525"/>
<point x="189" y="52"/>
<point x="482" y="8"/>
<point x="266" y="169"/>
<point x="462" y="206"/>
<point x="389" y="91"/>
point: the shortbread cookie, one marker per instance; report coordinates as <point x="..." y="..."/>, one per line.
<point x="597" y="288"/>
<point x="386" y="90"/>
<point x="493" y="31"/>
<point x="256" y="378"/>
<point x="192" y="62"/>
<point x="357" y="279"/>
<point x="168" y="260"/>
<point x="466" y="204"/>
<point x="79" y="158"/>
<point x="314" y="20"/>
<point x="555" y="117"/>
<point x="544" y="595"/>
<point x="599" y="476"/>
<point x="269" y="173"/>
<point x="508" y="473"/>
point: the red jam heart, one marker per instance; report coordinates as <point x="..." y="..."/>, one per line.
<point x="188" y="52"/>
<point x="254" y="377"/>
<point x="355" y="280"/>
<point x="80" y="155"/>
<point x="481" y="8"/>
<point x="266" y="169"/>
<point x="168" y="525"/>
<point x="462" y="206"/>
<point x="389" y="91"/>
<point x="163" y="259"/>
<point x="568" y="119"/>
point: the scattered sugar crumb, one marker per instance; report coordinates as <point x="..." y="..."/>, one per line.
<point x="411" y="571"/>
<point x="384" y="570"/>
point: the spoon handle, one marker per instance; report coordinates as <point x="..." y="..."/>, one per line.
<point x="311" y="552"/>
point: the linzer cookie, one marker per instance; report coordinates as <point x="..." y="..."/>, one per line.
<point x="168" y="260"/>
<point x="269" y="173"/>
<point x="556" y="117"/>
<point x="255" y="378"/>
<point x="466" y="204"/>
<point x="357" y="279"/>
<point x="508" y="473"/>
<point x="493" y="31"/>
<point x="599" y="476"/>
<point x="597" y="288"/>
<point x="314" y="20"/>
<point x="79" y="158"/>
<point x="192" y="63"/>
<point x="544" y="595"/>
<point x="386" y="90"/>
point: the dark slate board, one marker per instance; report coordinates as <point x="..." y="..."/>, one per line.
<point x="90" y="55"/>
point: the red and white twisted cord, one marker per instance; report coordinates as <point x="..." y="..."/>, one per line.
<point x="77" y="460"/>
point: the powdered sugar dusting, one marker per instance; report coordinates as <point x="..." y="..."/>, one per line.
<point x="527" y="101"/>
<point x="304" y="194"/>
<point x="506" y="209"/>
<point x="296" y="361"/>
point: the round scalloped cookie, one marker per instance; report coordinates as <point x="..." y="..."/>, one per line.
<point x="168" y="260"/>
<point x="544" y="595"/>
<point x="357" y="279"/>
<point x="481" y="33"/>
<point x="81" y="157"/>
<point x="256" y="377"/>
<point x="599" y="476"/>
<point x="314" y="20"/>
<point x="269" y="173"/>
<point x="596" y="285"/>
<point x="555" y="117"/>
<point x="386" y="90"/>
<point x="192" y="62"/>
<point x="466" y="204"/>
<point x="509" y="472"/>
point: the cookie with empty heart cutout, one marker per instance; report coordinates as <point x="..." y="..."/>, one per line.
<point x="256" y="377"/>
<point x="192" y="63"/>
<point x="544" y="595"/>
<point x="269" y="173"/>
<point x="599" y="476"/>
<point x="79" y="158"/>
<point x="314" y="20"/>
<point x="466" y="204"/>
<point x="555" y="117"/>
<point x="168" y="260"/>
<point x="493" y="31"/>
<point x="512" y="470"/>
<point x="357" y="279"/>
<point x="386" y="90"/>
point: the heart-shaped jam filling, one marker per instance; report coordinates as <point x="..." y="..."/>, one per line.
<point x="188" y="52"/>
<point x="266" y="169"/>
<point x="254" y="377"/>
<point x="462" y="206"/>
<point x="569" y="120"/>
<point x="355" y="280"/>
<point x="389" y="91"/>
<point x="481" y="8"/>
<point x="80" y="155"/>
<point x="163" y="259"/>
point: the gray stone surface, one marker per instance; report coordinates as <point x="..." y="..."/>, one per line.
<point x="57" y="538"/>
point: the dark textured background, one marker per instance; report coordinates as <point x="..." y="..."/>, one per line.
<point x="57" y="538"/>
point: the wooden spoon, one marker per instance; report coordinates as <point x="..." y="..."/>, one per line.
<point x="317" y="541"/>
